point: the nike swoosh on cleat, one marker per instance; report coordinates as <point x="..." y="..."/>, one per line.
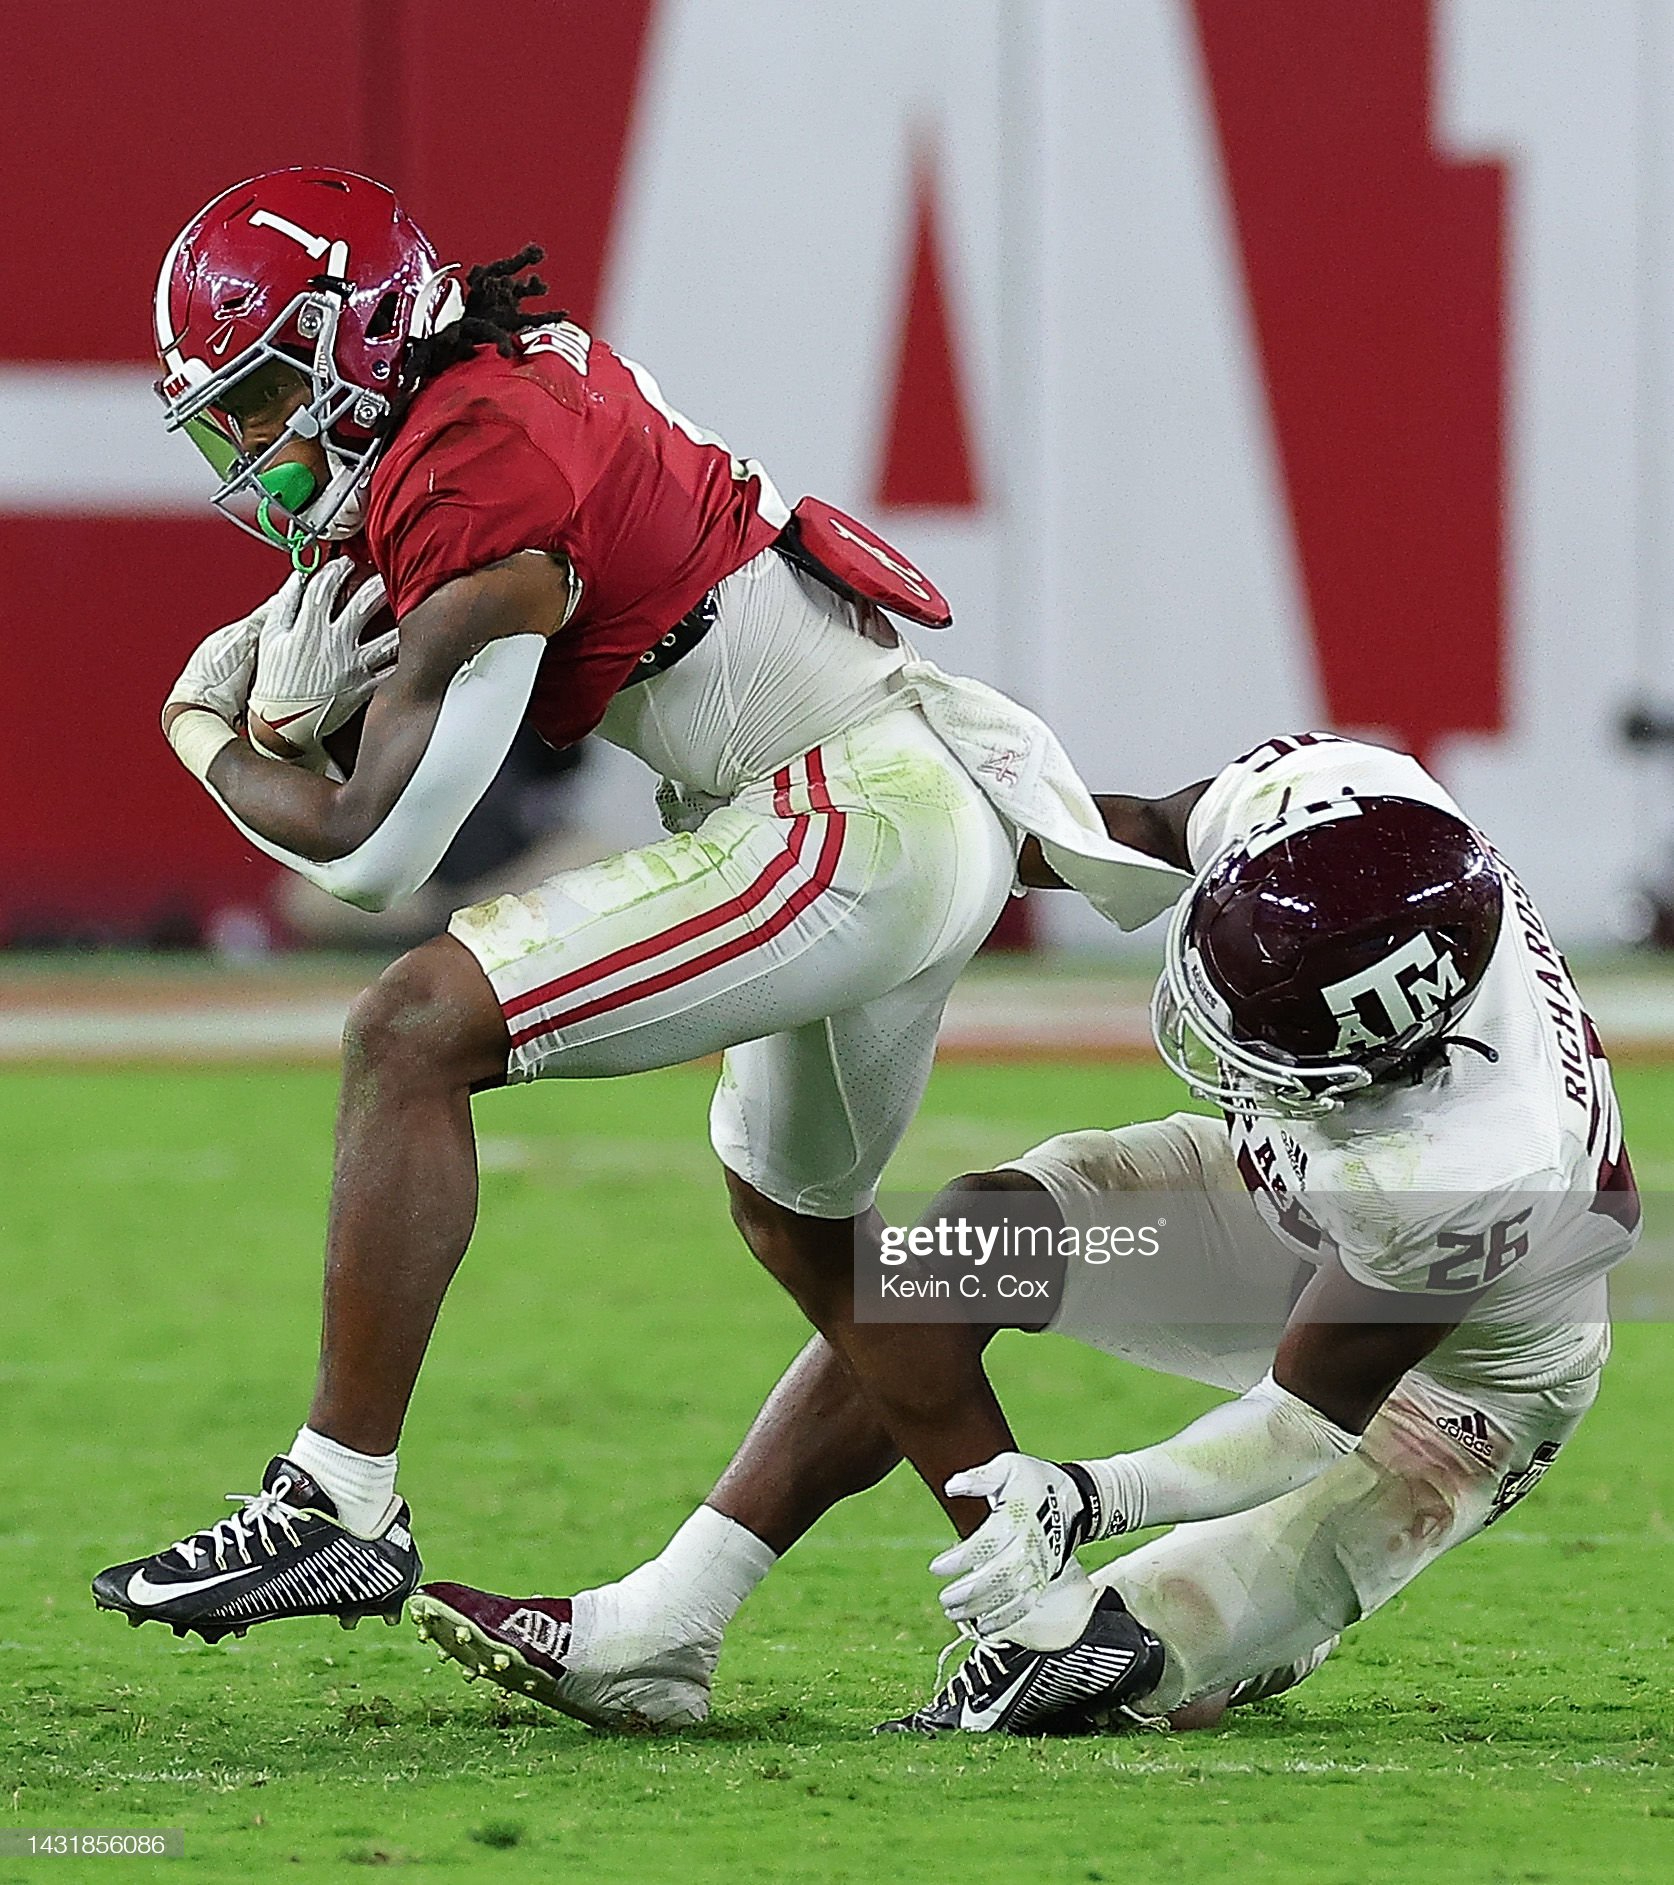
<point x="141" y="1590"/>
<point x="977" y="1720"/>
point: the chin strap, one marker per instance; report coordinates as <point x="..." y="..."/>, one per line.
<point x="1437" y="1050"/>
<point x="307" y="553"/>
<point x="1490" y="1054"/>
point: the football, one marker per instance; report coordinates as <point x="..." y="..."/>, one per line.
<point x="321" y="738"/>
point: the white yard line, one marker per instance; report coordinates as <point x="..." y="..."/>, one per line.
<point x="997" y="1013"/>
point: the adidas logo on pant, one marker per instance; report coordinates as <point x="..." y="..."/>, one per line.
<point x="1470" y="1430"/>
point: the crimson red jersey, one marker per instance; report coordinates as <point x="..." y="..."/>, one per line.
<point x="567" y="447"/>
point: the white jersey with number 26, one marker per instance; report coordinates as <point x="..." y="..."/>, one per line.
<point x="1501" y="1171"/>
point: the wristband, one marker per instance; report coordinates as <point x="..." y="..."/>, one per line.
<point x="1089" y="1522"/>
<point x="197" y="736"/>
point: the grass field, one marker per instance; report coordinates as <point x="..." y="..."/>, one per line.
<point x="1508" y="1719"/>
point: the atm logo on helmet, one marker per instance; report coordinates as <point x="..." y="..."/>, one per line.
<point x="1407" y="987"/>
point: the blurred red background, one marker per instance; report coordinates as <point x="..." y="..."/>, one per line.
<point x="106" y="833"/>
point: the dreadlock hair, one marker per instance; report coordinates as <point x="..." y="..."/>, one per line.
<point x="494" y="293"/>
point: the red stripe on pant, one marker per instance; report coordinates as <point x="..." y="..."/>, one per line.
<point x="819" y="794"/>
<point x="631" y="955"/>
<point x="825" y="871"/>
<point x="823" y="876"/>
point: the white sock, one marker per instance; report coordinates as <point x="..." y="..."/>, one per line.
<point x="360" y="1485"/>
<point x="687" y="1594"/>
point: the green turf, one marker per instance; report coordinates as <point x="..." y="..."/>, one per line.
<point x="1507" y="1719"/>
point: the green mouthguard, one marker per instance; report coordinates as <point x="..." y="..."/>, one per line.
<point x="293" y="486"/>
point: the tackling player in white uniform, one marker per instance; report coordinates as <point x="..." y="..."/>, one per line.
<point x="1405" y="1218"/>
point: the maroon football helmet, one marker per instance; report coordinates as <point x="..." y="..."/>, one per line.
<point x="1325" y="951"/>
<point x="314" y="273"/>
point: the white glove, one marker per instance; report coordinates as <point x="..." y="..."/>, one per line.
<point x="1038" y="1515"/>
<point x="313" y="672"/>
<point x="218" y="675"/>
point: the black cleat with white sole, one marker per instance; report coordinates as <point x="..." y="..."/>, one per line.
<point x="1002" y="1688"/>
<point x="285" y="1553"/>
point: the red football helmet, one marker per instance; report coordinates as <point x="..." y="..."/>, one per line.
<point x="1325" y="951"/>
<point x="320" y="273"/>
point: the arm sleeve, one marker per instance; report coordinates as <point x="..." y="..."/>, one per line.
<point x="480" y="713"/>
<point x="1241" y="1454"/>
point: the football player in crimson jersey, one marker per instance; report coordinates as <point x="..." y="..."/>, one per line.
<point x="560" y="546"/>
<point x="1391" y="1247"/>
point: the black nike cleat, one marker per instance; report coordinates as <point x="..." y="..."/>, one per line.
<point x="284" y="1554"/>
<point x="1002" y="1688"/>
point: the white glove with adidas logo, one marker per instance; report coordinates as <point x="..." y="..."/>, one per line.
<point x="1039" y="1513"/>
